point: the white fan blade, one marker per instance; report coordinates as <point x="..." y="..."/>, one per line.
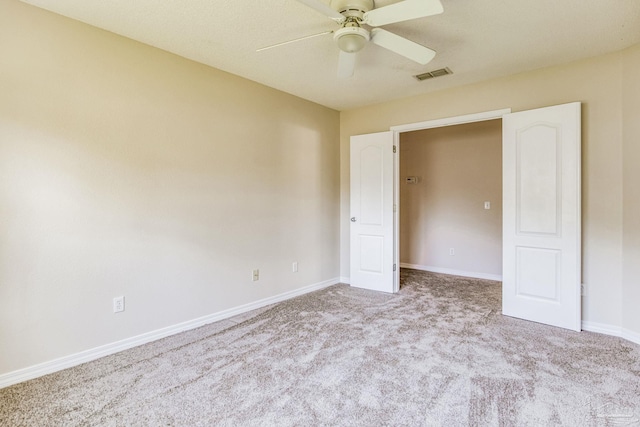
<point x="324" y="9"/>
<point x="412" y="50"/>
<point x="346" y="64"/>
<point x="293" y="41"/>
<point x="402" y="11"/>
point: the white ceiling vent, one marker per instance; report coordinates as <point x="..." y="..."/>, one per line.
<point x="434" y="73"/>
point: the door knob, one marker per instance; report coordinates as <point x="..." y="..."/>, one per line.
<point x="353" y="219"/>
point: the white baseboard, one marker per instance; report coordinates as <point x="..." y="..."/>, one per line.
<point x="614" y="331"/>
<point x="71" y="360"/>
<point x="496" y="277"/>
<point x="601" y="328"/>
<point x="632" y="336"/>
<point x="345" y="280"/>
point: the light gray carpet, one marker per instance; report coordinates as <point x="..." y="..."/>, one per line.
<point x="437" y="353"/>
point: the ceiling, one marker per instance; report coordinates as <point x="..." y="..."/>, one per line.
<point x="476" y="39"/>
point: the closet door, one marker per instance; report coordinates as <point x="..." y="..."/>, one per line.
<point x="371" y="227"/>
<point x="541" y="215"/>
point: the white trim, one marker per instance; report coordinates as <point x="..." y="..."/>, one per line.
<point x="601" y="328"/>
<point x="632" y="336"/>
<point x="71" y="360"/>
<point x="346" y="280"/>
<point x="614" y="331"/>
<point x="450" y="121"/>
<point x="453" y="272"/>
<point x="396" y="211"/>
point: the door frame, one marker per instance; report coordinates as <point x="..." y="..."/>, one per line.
<point x="429" y="124"/>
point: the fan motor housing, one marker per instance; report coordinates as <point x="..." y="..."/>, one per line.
<point x="355" y="8"/>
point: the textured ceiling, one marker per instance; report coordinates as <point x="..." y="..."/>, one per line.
<point x="476" y="39"/>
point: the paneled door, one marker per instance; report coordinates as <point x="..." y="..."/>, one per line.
<point x="371" y="230"/>
<point x="541" y="215"/>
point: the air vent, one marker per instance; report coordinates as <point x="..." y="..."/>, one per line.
<point x="433" y="74"/>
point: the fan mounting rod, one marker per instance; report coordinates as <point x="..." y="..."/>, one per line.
<point x="352" y="8"/>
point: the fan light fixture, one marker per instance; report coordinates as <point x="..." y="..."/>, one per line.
<point x="351" y="39"/>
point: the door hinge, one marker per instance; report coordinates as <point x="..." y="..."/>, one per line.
<point x="394" y="267"/>
<point x="394" y="148"/>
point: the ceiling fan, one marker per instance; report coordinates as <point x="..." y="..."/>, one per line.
<point x="352" y="36"/>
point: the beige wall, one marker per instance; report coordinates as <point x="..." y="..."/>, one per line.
<point x="598" y="83"/>
<point x="631" y="174"/>
<point x="458" y="168"/>
<point x="125" y="170"/>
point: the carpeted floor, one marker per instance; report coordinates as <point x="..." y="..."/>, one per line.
<point x="437" y="353"/>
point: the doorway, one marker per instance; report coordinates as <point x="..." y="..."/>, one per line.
<point x="420" y="126"/>
<point x="450" y="210"/>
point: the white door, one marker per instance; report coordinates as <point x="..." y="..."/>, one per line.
<point x="372" y="211"/>
<point x="541" y="215"/>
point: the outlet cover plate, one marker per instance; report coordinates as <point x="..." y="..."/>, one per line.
<point x="118" y="304"/>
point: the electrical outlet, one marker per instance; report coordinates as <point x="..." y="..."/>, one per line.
<point x="294" y="267"/>
<point x="487" y="205"/>
<point x="452" y="251"/>
<point x="118" y="304"/>
<point x="256" y="275"/>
